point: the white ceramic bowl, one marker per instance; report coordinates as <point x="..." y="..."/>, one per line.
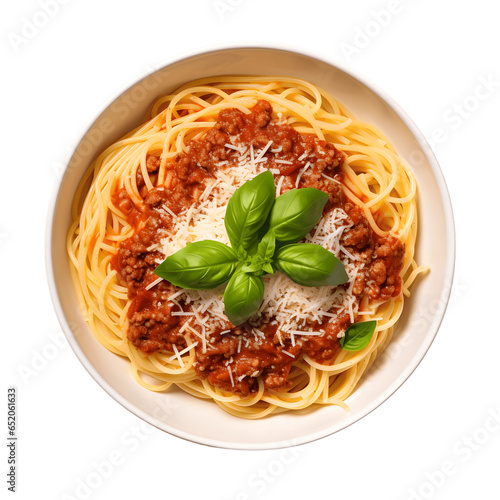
<point x="201" y="421"/>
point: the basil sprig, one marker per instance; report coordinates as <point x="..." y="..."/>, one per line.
<point x="358" y="336"/>
<point x="263" y="232"/>
<point x="262" y="261"/>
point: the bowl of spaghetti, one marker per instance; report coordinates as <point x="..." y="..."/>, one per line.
<point x="157" y="174"/>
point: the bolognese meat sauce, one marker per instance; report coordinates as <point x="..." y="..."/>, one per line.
<point x="152" y="326"/>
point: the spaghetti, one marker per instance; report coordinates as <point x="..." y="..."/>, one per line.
<point x="167" y="183"/>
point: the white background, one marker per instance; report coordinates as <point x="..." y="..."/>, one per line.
<point x="436" y="437"/>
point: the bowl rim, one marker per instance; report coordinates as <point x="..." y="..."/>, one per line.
<point x="447" y="211"/>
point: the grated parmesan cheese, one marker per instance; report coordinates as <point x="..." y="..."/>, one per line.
<point x="301" y="173"/>
<point x="230" y="375"/>
<point x="178" y="355"/>
<point x="154" y="283"/>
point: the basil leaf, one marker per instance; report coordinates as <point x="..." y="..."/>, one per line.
<point x="242" y="297"/>
<point x="261" y="262"/>
<point x="248" y="209"/>
<point x="358" y="336"/>
<point x="268" y="268"/>
<point x="310" y="265"/>
<point x="266" y="247"/>
<point x="258" y="268"/>
<point x="251" y="267"/>
<point x="296" y="212"/>
<point x="200" y="265"/>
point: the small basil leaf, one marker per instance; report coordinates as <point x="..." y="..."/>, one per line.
<point x="268" y="268"/>
<point x="242" y="254"/>
<point x="200" y="265"/>
<point x="260" y="262"/>
<point x="296" y="212"/>
<point x="266" y="247"/>
<point x="252" y="267"/>
<point x="242" y="297"/>
<point x="248" y="209"/>
<point x="358" y="336"/>
<point x="310" y="265"/>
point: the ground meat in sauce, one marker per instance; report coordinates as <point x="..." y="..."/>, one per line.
<point x="151" y="324"/>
